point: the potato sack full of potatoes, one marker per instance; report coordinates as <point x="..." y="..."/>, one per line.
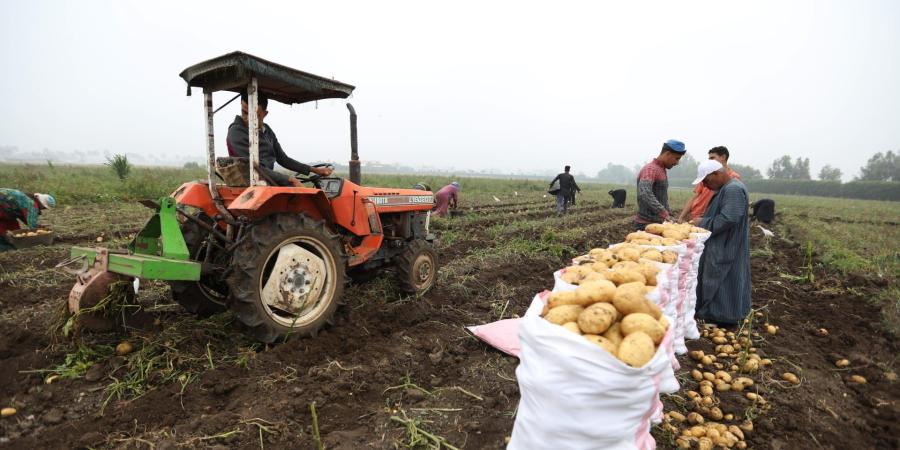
<point x="571" y="395"/>
<point x="616" y="317"/>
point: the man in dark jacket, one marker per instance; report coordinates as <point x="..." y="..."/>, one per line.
<point x="566" y="193"/>
<point x="270" y="150"/>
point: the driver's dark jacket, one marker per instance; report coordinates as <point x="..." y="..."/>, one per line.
<point x="270" y="151"/>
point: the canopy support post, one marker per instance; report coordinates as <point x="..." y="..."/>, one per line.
<point x="253" y="125"/>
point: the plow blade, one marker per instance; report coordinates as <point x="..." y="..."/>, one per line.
<point x="102" y="269"/>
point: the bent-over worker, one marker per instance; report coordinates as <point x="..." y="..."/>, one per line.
<point x="18" y="206"/>
<point x="270" y="150"/>
<point x="723" y="285"/>
<point x="445" y="199"/>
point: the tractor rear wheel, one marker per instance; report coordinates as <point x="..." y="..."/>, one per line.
<point x="417" y="267"/>
<point x="288" y="277"/>
<point x="204" y="297"/>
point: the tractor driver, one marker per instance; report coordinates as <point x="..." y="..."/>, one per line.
<point x="270" y="150"/>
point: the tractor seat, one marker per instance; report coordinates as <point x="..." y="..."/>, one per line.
<point x="234" y="171"/>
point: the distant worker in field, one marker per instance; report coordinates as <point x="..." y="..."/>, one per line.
<point x="618" y="196"/>
<point x="270" y="150"/>
<point x="696" y="206"/>
<point x="653" y="185"/>
<point x="723" y="284"/>
<point x="18" y="206"/>
<point x="445" y="199"/>
<point x="763" y="210"/>
<point x="422" y="186"/>
<point x="566" y="193"/>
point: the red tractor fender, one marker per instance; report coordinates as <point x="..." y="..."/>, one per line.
<point x="196" y="194"/>
<point x="257" y="201"/>
<point x="260" y="201"/>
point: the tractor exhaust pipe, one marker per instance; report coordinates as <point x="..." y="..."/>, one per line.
<point x="355" y="172"/>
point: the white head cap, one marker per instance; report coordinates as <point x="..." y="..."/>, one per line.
<point x="46" y="200"/>
<point x="705" y="168"/>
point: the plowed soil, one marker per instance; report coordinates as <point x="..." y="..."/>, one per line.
<point x="394" y="370"/>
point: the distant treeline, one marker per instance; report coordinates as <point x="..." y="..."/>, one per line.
<point x="867" y="190"/>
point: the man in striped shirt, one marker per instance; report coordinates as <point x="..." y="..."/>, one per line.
<point x="723" y="284"/>
<point x="653" y="185"/>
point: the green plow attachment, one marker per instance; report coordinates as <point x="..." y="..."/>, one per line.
<point x="158" y="252"/>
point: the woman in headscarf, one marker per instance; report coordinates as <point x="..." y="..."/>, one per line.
<point x="446" y="198"/>
<point x="18" y="206"/>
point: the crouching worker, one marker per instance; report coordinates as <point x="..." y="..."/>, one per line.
<point x="18" y="206"/>
<point x="270" y="150"/>
<point x="723" y="285"/>
<point x="445" y="199"/>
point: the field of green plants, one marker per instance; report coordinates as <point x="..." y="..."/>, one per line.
<point x="402" y="372"/>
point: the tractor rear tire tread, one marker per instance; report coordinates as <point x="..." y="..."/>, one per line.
<point x="252" y="253"/>
<point x="188" y="293"/>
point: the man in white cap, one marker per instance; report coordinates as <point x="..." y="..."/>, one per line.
<point x="723" y="287"/>
<point x="18" y="206"/>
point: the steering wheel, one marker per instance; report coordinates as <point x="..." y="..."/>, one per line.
<point x="313" y="177"/>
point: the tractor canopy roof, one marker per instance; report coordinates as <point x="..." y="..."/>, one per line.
<point x="232" y="72"/>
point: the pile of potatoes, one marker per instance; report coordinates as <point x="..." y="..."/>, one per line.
<point x="609" y="307"/>
<point x="707" y="435"/>
<point x="663" y="234"/>
<point x="36" y="232"/>
<point x="724" y="370"/>
<point x="623" y="256"/>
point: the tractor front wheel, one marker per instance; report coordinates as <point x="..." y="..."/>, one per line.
<point x="417" y="267"/>
<point x="288" y="277"/>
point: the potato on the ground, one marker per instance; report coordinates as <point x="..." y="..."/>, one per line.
<point x="562" y="314"/>
<point x="790" y="378"/>
<point x="636" y="349"/>
<point x="644" y="323"/>
<point x="597" y="318"/>
<point x="602" y="342"/>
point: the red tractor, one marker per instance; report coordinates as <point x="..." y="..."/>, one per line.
<point x="278" y="257"/>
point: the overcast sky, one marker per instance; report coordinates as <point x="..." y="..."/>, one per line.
<point x="515" y="86"/>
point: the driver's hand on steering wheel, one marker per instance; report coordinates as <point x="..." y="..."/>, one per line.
<point x="322" y="171"/>
<point x="295" y="182"/>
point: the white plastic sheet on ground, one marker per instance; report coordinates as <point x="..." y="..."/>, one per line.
<point x="575" y="395"/>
